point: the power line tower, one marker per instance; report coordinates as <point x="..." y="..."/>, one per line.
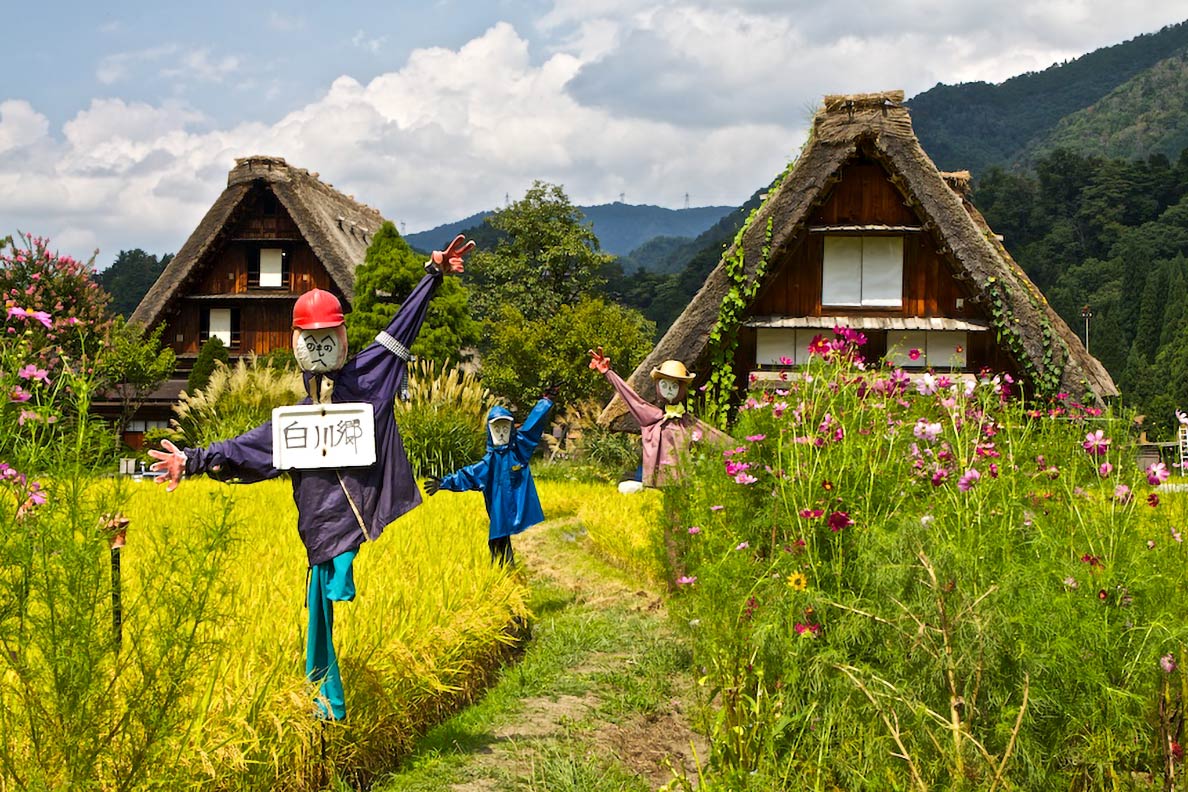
<point x="686" y="200"/>
<point x="622" y="197"/>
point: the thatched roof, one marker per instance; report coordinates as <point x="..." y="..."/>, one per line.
<point x="336" y="226"/>
<point x="879" y="127"/>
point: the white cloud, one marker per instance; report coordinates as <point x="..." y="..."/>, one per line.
<point x="200" y="65"/>
<point x="710" y="99"/>
<point x="371" y="44"/>
<point x="118" y="66"/>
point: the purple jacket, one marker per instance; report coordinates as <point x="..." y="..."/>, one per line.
<point x="337" y="510"/>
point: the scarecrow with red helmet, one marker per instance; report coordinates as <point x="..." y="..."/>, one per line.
<point x="666" y="430"/>
<point x="337" y="508"/>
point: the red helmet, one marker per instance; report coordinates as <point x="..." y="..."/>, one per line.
<point x="317" y="309"/>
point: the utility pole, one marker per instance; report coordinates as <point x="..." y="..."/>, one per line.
<point x="686" y="200"/>
<point x="1086" y="314"/>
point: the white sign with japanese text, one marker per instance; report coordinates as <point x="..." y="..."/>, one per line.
<point x="308" y="436"/>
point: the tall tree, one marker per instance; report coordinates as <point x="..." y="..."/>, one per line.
<point x="134" y="365"/>
<point x="130" y="277"/>
<point x="547" y="256"/>
<point x="387" y="275"/>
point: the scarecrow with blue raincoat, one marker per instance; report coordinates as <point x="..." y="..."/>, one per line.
<point x="338" y="507"/>
<point x="503" y="476"/>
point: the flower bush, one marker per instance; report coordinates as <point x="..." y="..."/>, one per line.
<point x="918" y="583"/>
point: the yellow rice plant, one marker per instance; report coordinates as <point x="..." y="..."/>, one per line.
<point x="624" y="529"/>
<point x="428" y="626"/>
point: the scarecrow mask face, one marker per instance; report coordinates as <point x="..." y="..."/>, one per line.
<point x="669" y="389"/>
<point x="320" y="351"/>
<point x="500" y="432"/>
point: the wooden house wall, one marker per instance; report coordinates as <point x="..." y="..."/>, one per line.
<point x="864" y="196"/>
<point x="265" y="323"/>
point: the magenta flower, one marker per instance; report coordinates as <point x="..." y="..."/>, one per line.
<point x="1096" y="443"/>
<point x="1157" y="474"/>
<point x="1122" y="493"/>
<point x="745" y="478"/>
<point x="694" y="529"/>
<point x="966" y="482"/>
<point x="686" y="580"/>
<point x="913" y="354"/>
<point x="717" y="508"/>
<point x="36" y="494"/>
<point x="939" y="477"/>
<point x="20" y="313"/>
<point x="42" y="317"/>
<point x="1153" y="500"/>
<point x="756" y="438"/>
<point x="786" y="361"/>
<point x="838" y="520"/>
<point x="993" y="470"/>
<point x="1168" y="663"/>
<point x="1105" y="470"/>
<point x="19" y="395"/>
<point x="810" y="630"/>
<point x="811" y="514"/>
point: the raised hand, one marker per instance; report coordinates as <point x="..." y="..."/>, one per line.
<point x="432" y="485"/>
<point x="598" y="361"/>
<point x="449" y="260"/>
<point x="170" y="465"/>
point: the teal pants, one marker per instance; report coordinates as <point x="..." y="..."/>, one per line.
<point x="329" y="582"/>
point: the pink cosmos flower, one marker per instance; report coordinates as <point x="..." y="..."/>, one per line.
<point x="810" y="630"/>
<point x="811" y="514"/>
<point x="742" y="545"/>
<point x="838" y="520"/>
<point x="966" y="482"/>
<point x="1105" y="470"/>
<point x="1153" y="500"/>
<point x="717" y="508"/>
<point x="1168" y="663"/>
<point x="42" y="317"/>
<point x="19" y="395"/>
<point x="32" y="372"/>
<point x="786" y="361"/>
<point x="1157" y="474"/>
<point x="993" y="470"/>
<point x="756" y="438"/>
<point x="913" y="354"/>
<point x="696" y="435"/>
<point x="925" y="431"/>
<point x="1122" y="493"/>
<point x="686" y="580"/>
<point x="694" y="529"/>
<point x="926" y="385"/>
<point x="1096" y="443"/>
<point x="745" y="478"/>
<point x="939" y="477"/>
<point x="20" y="313"/>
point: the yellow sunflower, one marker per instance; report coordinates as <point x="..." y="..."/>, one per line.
<point x="797" y="581"/>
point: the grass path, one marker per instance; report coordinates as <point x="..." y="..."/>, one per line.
<point x="599" y="699"/>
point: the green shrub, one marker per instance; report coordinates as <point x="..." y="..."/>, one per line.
<point x="210" y="355"/>
<point x="443" y="423"/>
<point x="894" y="584"/>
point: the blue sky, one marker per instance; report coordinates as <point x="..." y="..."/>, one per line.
<point x="119" y="121"/>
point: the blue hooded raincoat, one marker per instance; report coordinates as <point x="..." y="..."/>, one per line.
<point x="502" y="475"/>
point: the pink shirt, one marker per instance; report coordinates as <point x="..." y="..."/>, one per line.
<point x="663" y="437"/>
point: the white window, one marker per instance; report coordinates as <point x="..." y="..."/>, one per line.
<point x="940" y="349"/>
<point x="775" y="344"/>
<point x="220" y="325"/>
<point x="271" y="268"/>
<point x="862" y="271"/>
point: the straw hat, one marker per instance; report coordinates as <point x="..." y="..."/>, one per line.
<point x="672" y="369"/>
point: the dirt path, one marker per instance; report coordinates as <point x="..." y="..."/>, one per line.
<point x="600" y="699"/>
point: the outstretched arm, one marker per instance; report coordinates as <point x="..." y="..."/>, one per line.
<point x="529" y="434"/>
<point x="380" y="365"/>
<point x="640" y="408"/>
<point x="247" y="458"/>
<point x="471" y="477"/>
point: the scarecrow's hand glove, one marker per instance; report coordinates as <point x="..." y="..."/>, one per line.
<point x="432" y="485"/>
<point x="170" y="465"/>
<point x="598" y="361"/>
<point x="449" y="260"/>
<point x="550" y="391"/>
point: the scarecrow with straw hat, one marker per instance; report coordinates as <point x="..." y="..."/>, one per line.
<point x="338" y="508"/>
<point x="666" y="430"/>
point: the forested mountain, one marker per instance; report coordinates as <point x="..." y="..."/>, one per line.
<point x="620" y="228"/>
<point x="974" y="125"/>
<point x="1109" y="235"/>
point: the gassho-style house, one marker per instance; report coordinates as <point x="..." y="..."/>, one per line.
<point x="864" y="232"/>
